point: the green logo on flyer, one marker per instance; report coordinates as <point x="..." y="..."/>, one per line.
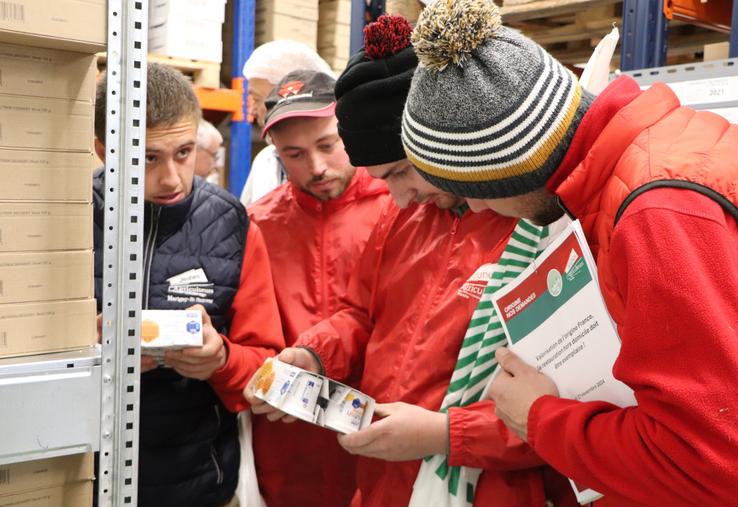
<point x="555" y="283"/>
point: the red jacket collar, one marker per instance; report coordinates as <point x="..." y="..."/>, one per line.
<point x="617" y="95"/>
<point x="362" y="185"/>
<point x="613" y="122"/>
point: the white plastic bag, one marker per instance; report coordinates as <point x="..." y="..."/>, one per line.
<point x="596" y="74"/>
<point x="248" y="487"/>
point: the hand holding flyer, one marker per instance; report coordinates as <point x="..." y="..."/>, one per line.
<point x="555" y="319"/>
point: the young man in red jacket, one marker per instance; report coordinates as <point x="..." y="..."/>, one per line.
<point x="408" y="307"/>
<point x="315" y="227"/>
<point x="654" y="185"/>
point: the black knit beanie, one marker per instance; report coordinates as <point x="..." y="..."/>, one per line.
<point x="372" y="90"/>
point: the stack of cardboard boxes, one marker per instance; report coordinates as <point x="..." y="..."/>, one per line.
<point x="46" y="260"/>
<point x="48" y="482"/>
<point x="287" y="19"/>
<point x="334" y="33"/>
<point x="187" y="29"/>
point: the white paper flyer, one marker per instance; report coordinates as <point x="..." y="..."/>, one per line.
<point x="555" y="319"/>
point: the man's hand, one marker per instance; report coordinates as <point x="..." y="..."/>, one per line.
<point x="515" y="389"/>
<point x="294" y="356"/>
<point x="405" y="432"/>
<point x="199" y="362"/>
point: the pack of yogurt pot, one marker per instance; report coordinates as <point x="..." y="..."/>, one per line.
<point x="312" y="397"/>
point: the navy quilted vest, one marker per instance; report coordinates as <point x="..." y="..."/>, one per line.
<point x="188" y="454"/>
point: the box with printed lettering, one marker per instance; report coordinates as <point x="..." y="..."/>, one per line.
<point x="170" y="330"/>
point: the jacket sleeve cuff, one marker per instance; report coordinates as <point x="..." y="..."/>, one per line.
<point x="315" y="347"/>
<point x="227" y="373"/>
<point x="458" y="451"/>
<point x="534" y="417"/>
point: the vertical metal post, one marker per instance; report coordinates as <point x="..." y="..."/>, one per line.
<point x="358" y="8"/>
<point x="125" y="142"/>
<point x="734" y="31"/>
<point x="643" y="43"/>
<point x="239" y="162"/>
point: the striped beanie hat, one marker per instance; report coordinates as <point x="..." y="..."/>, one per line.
<point x="490" y="113"/>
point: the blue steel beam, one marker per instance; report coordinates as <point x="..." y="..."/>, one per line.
<point x="643" y="43"/>
<point x="239" y="161"/>
<point x="358" y="8"/>
<point x="734" y="31"/>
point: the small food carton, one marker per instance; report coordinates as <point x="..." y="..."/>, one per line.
<point x="169" y="330"/>
<point x="312" y="397"/>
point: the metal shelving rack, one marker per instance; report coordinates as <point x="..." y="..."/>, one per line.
<point x="74" y="402"/>
<point x="644" y="34"/>
<point x="711" y="85"/>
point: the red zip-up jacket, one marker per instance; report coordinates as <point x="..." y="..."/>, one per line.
<point x="404" y="318"/>
<point x="313" y="247"/>
<point x="669" y="273"/>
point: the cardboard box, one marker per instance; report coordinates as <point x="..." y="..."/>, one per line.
<point x="75" y="494"/>
<point x="32" y="226"/>
<point x="72" y="25"/>
<point x="206" y="10"/>
<point x="45" y="276"/>
<point x="45" y="175"/>
<point x="335" y="11"/>
<point x="409" y="9"/>
<point x="191" y="39"/>
<point x="170" y="330"/>
<point x="46" y="124"/>
<point x="280" y="26"/>
<point x="45" y="473"/>
<point x="332" y="53"/>
<point x="37" y="328"/>
<point x="39" y="72"/>
<point x="334" y="36"/>
<point x="303" y="9"/>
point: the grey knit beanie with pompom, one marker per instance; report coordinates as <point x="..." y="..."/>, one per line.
<point x="490" y="113"/>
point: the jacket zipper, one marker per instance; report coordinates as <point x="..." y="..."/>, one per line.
<point x="564" y="208"/>
<point x="149" y="252"/>
<point x="434" y="288"/>
<point x="323" y="281"/>
<point x="213" y="454"/>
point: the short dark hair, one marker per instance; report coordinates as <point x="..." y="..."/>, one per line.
<point x="169" y="98"/>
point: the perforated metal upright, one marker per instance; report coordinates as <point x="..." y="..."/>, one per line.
<point x="87" y="400"/>
<point x="124" y="180"/>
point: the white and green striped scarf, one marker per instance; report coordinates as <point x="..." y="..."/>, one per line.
<point x="439" y="484"/>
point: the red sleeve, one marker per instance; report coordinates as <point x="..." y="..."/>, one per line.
<point x="479" y="439"/>
<point x="255" y="331"/>
<point x="674" y="260"/>
<point x="341" y="339"/>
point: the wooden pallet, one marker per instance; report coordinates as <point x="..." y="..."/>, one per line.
<point x="570" y="29"/>
<point x="201" y="73"/>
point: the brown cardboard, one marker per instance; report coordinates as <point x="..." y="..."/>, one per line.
<point x="75" y="494"/>
<point x="280" y="26"/>
<point x="335" y="11"/>
<point x="45" y="473"/>
<point x="32" y="226"/>
<point x="303" y="9"/>
<point x="45" y="175"/>
<point x="45" y="276"/>
<point x="45" y="124"/>
<point x="39" y="72"/>
<point x="72" y="25"/>
<point x="37" y="328"/>
<point x="334" y="36"/>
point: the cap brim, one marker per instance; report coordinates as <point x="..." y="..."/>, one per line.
<point x="300" y="110"/>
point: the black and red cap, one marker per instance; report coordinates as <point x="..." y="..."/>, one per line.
<point x="300" y="94"/>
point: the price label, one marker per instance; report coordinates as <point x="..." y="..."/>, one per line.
<point x="706" y="91"/>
